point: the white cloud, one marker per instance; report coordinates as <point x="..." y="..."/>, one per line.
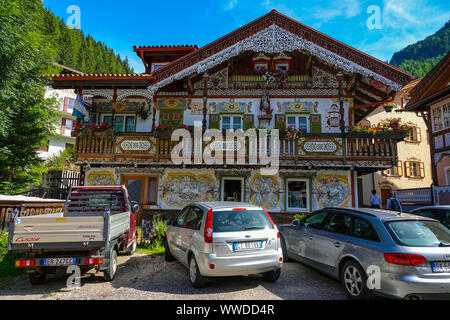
<point x="230" y="5"/>
<point x="404" y="22"/>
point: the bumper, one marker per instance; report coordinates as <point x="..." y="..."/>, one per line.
<point x="41" y="262"/>
<point x="239" y="265"/>
<point x="411" y="286"/>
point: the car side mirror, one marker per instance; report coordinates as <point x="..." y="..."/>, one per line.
<point x="135" y="207"/>
<point x="296" y="223"/>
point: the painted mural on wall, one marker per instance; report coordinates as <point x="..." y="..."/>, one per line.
<point x="180" y="189"/>
<point x="101" y="178"/>
<point x="265" y="191"/>
<point x="332" y="190"/>
<point x="298" y="106"/>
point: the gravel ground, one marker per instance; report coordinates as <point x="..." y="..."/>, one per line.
<point x="142" y="277"/>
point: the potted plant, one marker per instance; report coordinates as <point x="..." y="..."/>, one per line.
<point x="388" y="107"/>
<point x="142" y="112"/>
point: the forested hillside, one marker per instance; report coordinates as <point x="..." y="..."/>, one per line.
<point x="77" y="51"/>
<point x="419" y="58"/>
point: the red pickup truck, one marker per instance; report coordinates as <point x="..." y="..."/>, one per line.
<point x="95" y="225"/>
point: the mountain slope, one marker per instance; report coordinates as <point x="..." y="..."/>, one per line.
<point x="80" y="52"/>
<point x="419" y="58"/>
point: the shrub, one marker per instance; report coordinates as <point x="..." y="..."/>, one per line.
<point x="3" y="245"/>
<point x="158" y="232"/>
<point x="299" y="216"/>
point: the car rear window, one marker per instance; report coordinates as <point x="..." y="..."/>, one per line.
<point x="240" y="220"/>
<point x="419" y="233"/>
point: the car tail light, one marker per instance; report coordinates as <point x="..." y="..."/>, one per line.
<point x="209" y="227"/>
<point x="212" y="266"/>
<point x="281" y="259"/>
<point x="238" y="209"/>
<point x="268" y="216"/>
<point x="91" y="261"/>
<point x="278" y="235"/>
<point x="24" y="263"/>
<point x="405" y="259"/>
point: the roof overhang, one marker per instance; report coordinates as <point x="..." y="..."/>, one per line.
<point x="69" y="81"/>
<point x="275" y="33"/>
<point x="422" y="105"/>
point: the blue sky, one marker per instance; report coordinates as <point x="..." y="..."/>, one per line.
<point x="123" y="24"/>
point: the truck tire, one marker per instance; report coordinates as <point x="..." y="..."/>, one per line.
<point x="132" y="249"/>
<point x="37" y="278"/>
<point x="168" y="257"/>
<point x="110" y="273"/>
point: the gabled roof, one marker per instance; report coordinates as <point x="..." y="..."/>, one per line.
<point x="275" y="32"/>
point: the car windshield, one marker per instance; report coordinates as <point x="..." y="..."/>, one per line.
<point x="240" y="220"/>
<point x="419" y="233"/>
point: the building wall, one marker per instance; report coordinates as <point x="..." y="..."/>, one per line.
<point x="407" y="151"/>
<point x="63" y="130"/>
<point x="179" y="187"/>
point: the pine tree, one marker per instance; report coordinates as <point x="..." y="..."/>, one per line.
<point x="26" y="118"/>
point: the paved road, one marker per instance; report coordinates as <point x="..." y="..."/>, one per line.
<point x="143" y="277"/>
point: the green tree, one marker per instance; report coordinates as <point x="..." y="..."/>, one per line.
<point x="27" y="118"/>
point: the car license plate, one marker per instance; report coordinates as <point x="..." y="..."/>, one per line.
<point x="239" y="246"/>
<point x="59" y="261"/>
<point x="441" y="267"/>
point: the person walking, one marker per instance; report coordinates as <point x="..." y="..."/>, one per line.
<point x="375" y="200"/>
<point x="393" y="203"/>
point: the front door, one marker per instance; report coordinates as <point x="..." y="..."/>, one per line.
<point x="233" y="189"/>
<point x="384" y="196"/>
<point x="142" y="189"/>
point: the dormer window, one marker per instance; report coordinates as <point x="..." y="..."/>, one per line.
<point x="261" y="67"/>
<point x="282" y="67"/>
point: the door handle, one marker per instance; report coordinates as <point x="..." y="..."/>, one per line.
<point x="337" y="244"/>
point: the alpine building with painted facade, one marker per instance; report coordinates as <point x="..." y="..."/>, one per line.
<point x="274" y="72"/>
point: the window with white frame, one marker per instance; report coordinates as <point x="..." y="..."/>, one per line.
<point x="395" y="171"/>
<point x="441" y="117"/>
<point x="414" y="135"/>
<point x="297" y="192"/>
<point x="231" y="123"/>
<point x="298" y="122"/>
<point x="122" y="123"/>
<point x="414" y="169"/>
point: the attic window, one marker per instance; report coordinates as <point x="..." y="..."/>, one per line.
<point x="261" y="67"/>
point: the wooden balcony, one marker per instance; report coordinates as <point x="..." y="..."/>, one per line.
<point x="148" y="148"/>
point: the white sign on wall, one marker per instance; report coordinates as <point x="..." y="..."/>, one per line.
<point x="135" y="145"/>
<point x="320" y="146"/>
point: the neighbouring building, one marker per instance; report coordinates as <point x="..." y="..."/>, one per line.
<point x="62" y="138"/>
<point x="411" y="178"/>
<point x="274" y="72"/>
<point x="431" y="99"/>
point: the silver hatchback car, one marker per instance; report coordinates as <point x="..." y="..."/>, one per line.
<point x="374" y="252"/>
<point x="219" y="239"/>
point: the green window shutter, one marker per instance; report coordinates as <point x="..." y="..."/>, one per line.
<point x="249" y="121"/>
<point x="280" y="121"/>
<point x="171" y="117"/>
<point x="315" y="123"/>
<point x="214" y="121"/>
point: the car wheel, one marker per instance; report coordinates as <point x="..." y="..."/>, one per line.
<point x="196" y="279"/>
<point x="110" y="273"/>
<point x="37" y="278"/>
<point x="354" y="281"/>
<point x="284" y="249"/>
<point x="168" y="257"/>
<point x="272" y="276"/>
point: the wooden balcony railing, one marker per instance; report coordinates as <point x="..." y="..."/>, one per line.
<point x="150" y="148"/>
